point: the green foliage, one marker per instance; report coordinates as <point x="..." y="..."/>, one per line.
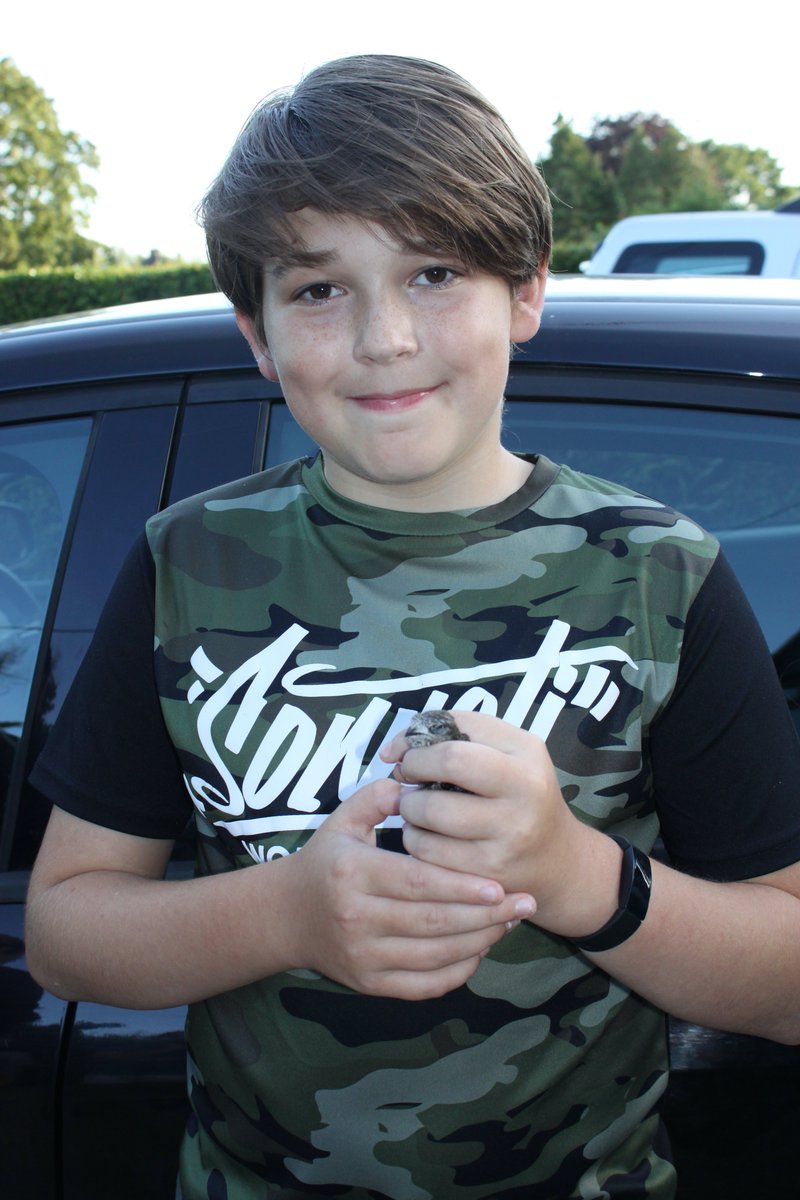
<point x="568" y="255"/>
<point x="43" y="194"/>
<point x="584" y="194"/>
<point x="747" y="178"/>
<point x="30" y="295"/>
<point x="643" y="164"/>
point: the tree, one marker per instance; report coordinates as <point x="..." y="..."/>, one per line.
<point x="658" y="169"/>
<point x="748" y="178"/>
<point x="642" y="163"/>
<point x="610" y="137"/>
<point x="43" y="194"/>
<point x="585" y="199"/>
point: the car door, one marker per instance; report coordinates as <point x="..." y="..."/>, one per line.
<point x="78" y="471"/>
<point x="122" y="1092"/>
<point x="725" y="452"/>
<point x="81" y="469"/>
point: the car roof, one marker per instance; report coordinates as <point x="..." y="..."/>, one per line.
<point x="733" y="326"/>
<point x="743" y="325"/>
<point x="765" y="219"/>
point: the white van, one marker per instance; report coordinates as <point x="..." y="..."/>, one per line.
<point x="701" y="243"/>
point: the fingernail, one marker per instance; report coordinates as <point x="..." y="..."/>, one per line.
<point x="490" y="894"/>
<point x="511" y="925"/>
<point x="523" y="908"/>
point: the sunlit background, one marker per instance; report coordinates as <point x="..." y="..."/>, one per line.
<point x="161" y="88"/>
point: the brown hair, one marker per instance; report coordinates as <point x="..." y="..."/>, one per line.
<point x="401" y="142"/>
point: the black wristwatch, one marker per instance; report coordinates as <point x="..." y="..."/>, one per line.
<point x="635" y="884"/>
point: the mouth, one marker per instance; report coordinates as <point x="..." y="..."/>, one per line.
<point x="394" y="401"/>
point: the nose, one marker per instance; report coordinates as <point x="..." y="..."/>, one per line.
<point x="386" y="329"/>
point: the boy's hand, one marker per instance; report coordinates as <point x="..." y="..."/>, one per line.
<point x="388" y="924"/>
<point x="509" y="820"/>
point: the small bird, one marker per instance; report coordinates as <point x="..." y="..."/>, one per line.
<point x="428" y="728"/>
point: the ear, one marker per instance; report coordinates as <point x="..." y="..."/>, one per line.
<point x="526" y="307"/>
<point x="260" y="351"/>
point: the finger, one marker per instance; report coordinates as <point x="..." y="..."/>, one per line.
<point x="353" y="869"/>
<point x="436" y="954"/>
<point x="470" y="766"/>
<point x="479" y="727"/>
<point x="451" y="814"/>
<point x="427" y="979"/>
<point x="401" y="877"/>
<point x="493" y="731"/>
<point x="422" y="985"/>
<point x="394" y="750"/>
<point x="456" y="854"/>
<point x="366" y="808"/>
<point x="521" y="762"/>
<point x="414" y="921"/>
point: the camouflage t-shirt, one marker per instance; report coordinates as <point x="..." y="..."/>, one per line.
<point x="296" y="631"/>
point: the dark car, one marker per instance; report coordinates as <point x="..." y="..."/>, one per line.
<point x="688" y="390"/>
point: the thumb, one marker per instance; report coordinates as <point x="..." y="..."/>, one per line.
<point x="369" y="806"/>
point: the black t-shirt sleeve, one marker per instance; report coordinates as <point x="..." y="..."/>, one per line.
<point x="108" y="758"/>
<point x="725" y="754"/>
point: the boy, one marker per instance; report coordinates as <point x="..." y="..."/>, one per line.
<point x="482" y="1016"/>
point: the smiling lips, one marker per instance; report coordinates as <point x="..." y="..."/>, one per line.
<point x="394" y="401"/>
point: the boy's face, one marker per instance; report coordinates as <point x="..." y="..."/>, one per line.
<point x="395" y="362"/>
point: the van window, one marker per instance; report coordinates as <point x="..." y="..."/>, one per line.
<point x="691" y="258"/>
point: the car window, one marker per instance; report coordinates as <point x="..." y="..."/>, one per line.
<point x="40" y="465"/>
<point x="122" y="487"/>
<point x="217" y="444"/>
<point x="286" y="440"/>
<point x="691" y="258"/>
<point x="735" y="473"/>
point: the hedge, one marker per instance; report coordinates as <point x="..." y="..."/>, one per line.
<point x="568" y="256"/>
<point x="29" y="295"/>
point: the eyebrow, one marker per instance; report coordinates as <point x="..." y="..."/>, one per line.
<point x="301" y="258"/>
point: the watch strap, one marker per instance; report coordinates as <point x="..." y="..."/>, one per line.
<point x="634" y="897"/>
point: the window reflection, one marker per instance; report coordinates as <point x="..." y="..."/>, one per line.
<point x="735" y="473"/>
<point x="39" y="469"/>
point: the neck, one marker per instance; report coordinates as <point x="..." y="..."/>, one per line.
<point x="457" y="491"/>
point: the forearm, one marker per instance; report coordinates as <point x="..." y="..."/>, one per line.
<point x="720" y="954"/>
<point x="118" y="938"/>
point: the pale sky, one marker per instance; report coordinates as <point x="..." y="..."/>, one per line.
<point x="163" y="86"/>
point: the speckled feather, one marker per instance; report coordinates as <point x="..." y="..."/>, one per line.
<point x="428" y="728"/>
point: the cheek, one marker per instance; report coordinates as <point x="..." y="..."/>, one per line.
<point x="308" y="362"/>
<point x="484" y="335"/>
<point x="488" y="355"/>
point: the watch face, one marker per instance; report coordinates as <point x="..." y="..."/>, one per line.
<point x="640" y="885"/>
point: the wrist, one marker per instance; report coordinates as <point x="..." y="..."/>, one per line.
<point x="582" y="886"/>
<point x="633" y="899"/>
<point x="276" y="895"/>
<point x="595" y="877"/>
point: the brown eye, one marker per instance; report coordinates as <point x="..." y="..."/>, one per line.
<point x="318" y="293"/>
<point x="436" y="277"/>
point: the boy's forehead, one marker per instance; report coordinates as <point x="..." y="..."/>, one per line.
<point x="318" y="239"/>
